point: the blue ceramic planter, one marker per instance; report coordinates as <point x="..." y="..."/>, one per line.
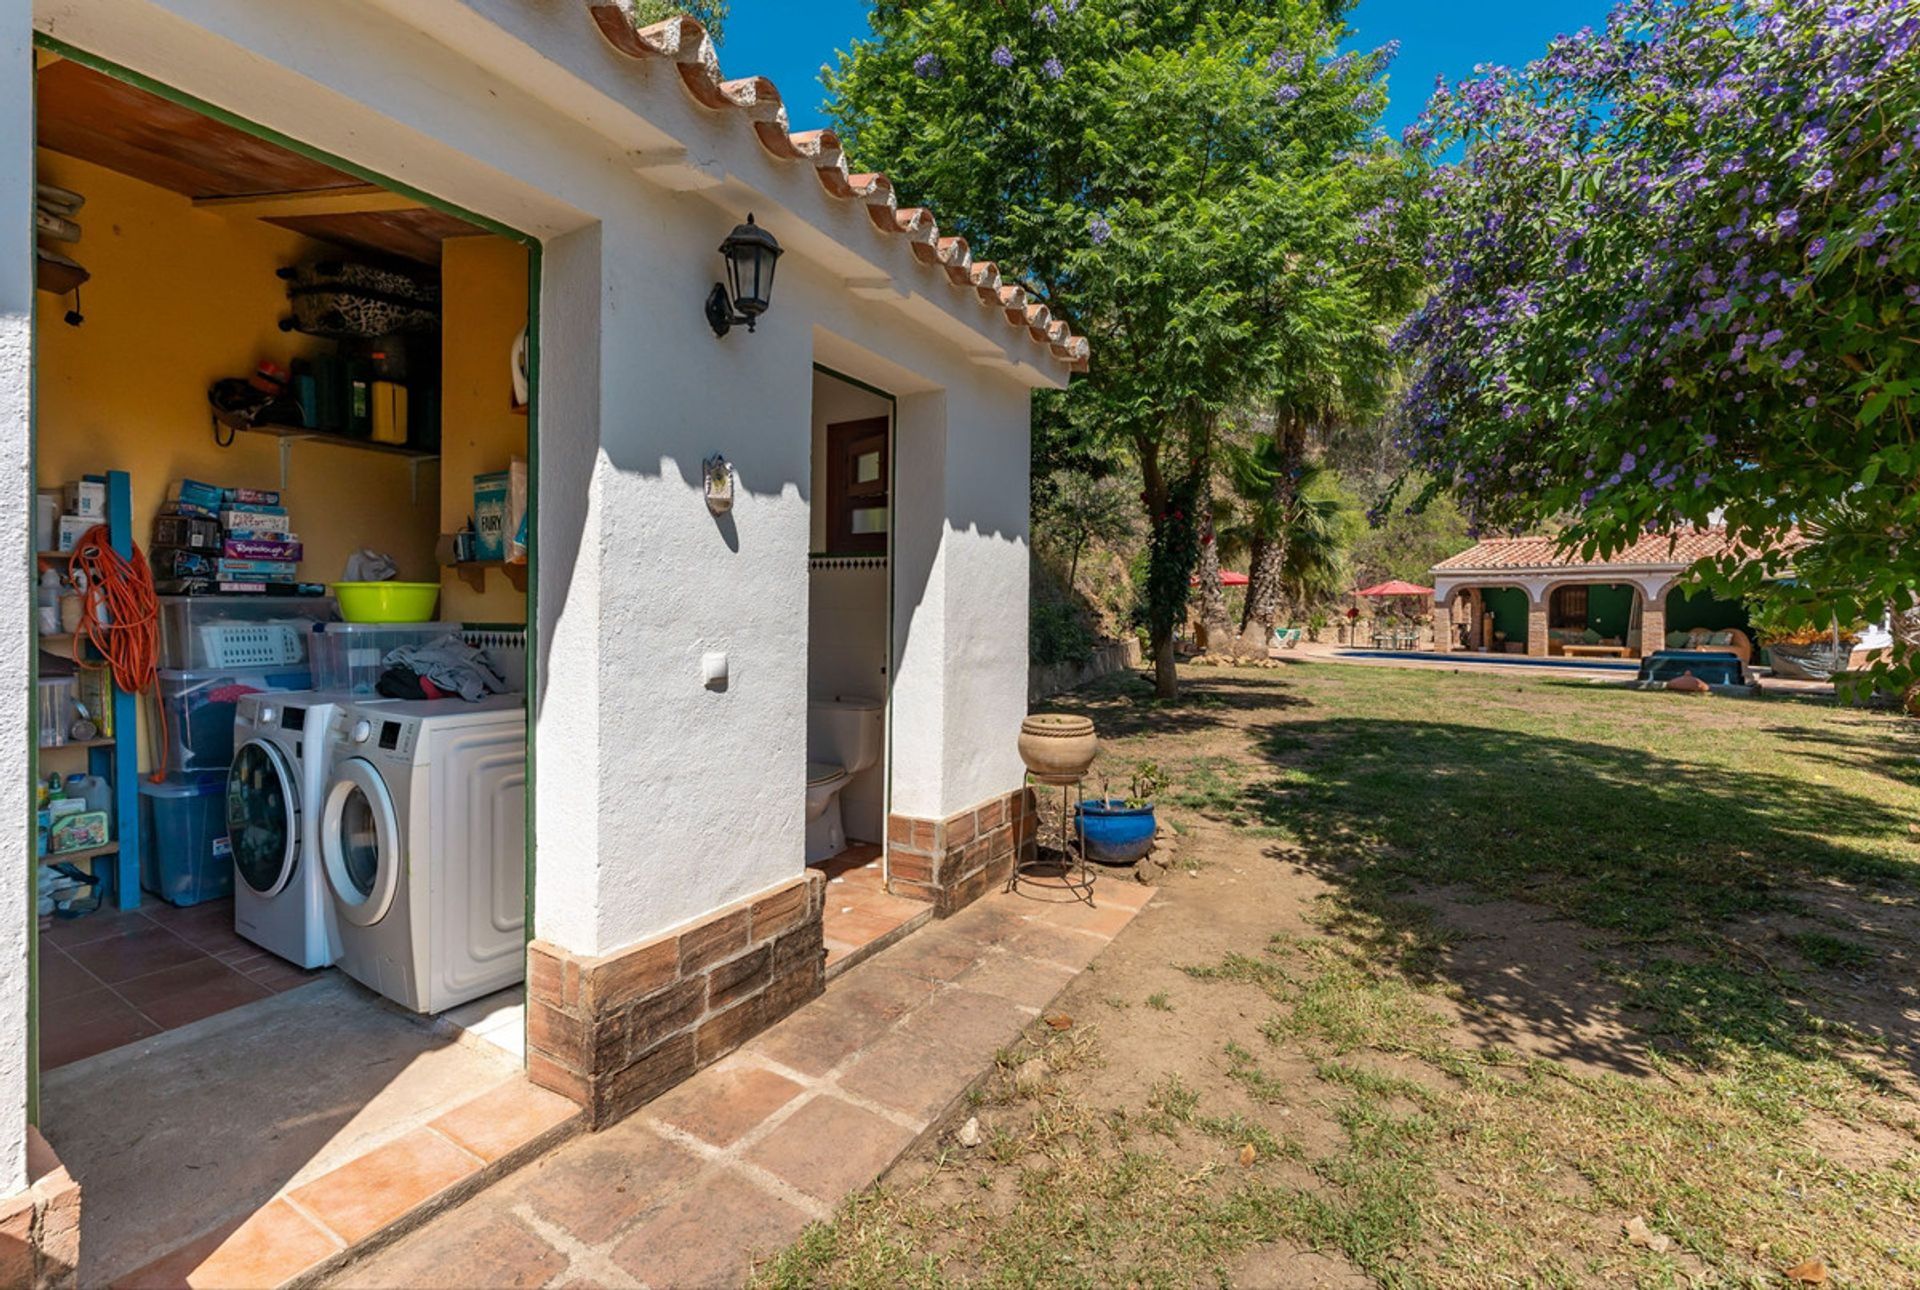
<point x="1117" y="833"/>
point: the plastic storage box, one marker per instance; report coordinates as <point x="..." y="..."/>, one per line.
<point x="199" y="632"/>
<point x="347" y="656"/>
<point x="185" y="858"/>
<point x="199" y="707"/>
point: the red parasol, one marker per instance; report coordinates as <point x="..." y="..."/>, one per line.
<point x="1386" y="590"/>
<point x="1228" y="578"/>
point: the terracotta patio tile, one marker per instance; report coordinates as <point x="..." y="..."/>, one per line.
<point x="184" y="994"/>
<point x="1104" y="919"/>
<point x="1024" y="981"/>
<point x="504" y="1119"/>
<point x="1123" y="893"/>
<point x="830" y="1147"/>
<point x="271" y="1245"/>
<point x="720" y="1105"/>
<point x="862" y="926"/>
<point x="909" y="1074"/>
<point x="62" y="978"/>
<point x="364" y="1195"/>
<point x="837" y="951"/>
<point x="934" y="958"/>
<point x="471" y="1247"/>
<point x="136" y="952"/>
<point x="993" y="921"/>
<point x="596" y="1185"/>
<point x="103" y="925"/>
<point x="710" y="1235"/>
<point x="967" y="1022"/>
<point x="87" y="1024"/>
<point x="1057" y="945"/>
<point x="818" y="1037"/>
<point x="898" y="909"/>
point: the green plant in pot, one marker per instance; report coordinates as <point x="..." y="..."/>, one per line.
<point x="1121" y="830"/>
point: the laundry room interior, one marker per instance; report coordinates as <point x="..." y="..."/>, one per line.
<point x="304" y="396"/>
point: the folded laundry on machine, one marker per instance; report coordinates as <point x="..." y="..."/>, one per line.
<point x="449" y="665"/>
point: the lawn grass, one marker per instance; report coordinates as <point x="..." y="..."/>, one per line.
<point x="1744" y="879"/>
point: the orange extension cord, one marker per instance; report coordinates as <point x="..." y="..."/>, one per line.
<point x="120" y="619"/>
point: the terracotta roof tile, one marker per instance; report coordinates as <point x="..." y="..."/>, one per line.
<point x="1679" y="549"/>
<point x="684" y="42"/>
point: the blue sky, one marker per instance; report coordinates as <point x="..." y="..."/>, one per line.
<point x="789" y="40"/>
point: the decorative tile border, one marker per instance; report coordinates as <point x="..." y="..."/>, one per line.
<point x="614" y="1032"/>
<point x="953" y="862"/>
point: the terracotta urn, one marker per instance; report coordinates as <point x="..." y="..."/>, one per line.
<point x="1058" y="748"/>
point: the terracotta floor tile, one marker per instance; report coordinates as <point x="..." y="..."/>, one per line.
<point x="818" y="1037"/>
<point x="1103" y="919"/>
<point x="710" y="1235"/>
<point x="862" y="926"/>
<point x="909" y="1074"/>
<point x="504" y="1119"/>
<point x="968" y="1023"/>
<point x="62" y="978"/>
<point x="103" y="925"/>
<point x="993" y="921"/>
<point x="136" y="952"/>
<point x="364" y="1195"/>
<point x="829" y="1148"/>
<point x="836" y="952"/>
<point x="84" y="1025"/>
<point x="1056" y="945"/>
<point x="270" y="1246"/>
<point x="720" y="1105"/>
<point x="897" y="908"/>
<point x="185" y="994"/>
<point x="881" y="992"/>
<point x="1024" y="981"/>
<point x="596" y="1185"/>
<point x="1122" y="892"/>
<point x="472" y="1247"/>
<point x="933" y="958"/>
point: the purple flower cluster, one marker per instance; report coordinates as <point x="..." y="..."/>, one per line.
<point x="928" y="67"/>
<point x="1002" y="56"/>
<point x="1657" y="249"/>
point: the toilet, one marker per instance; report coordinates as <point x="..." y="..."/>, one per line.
<point x="843" y="739"/>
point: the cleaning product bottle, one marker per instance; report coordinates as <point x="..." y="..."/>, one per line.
<point x="95" y="790"/>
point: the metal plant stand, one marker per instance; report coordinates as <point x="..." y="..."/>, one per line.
<point x="1064" y="868"/>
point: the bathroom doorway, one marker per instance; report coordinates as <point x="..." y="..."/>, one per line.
<point x="848" y="668"/>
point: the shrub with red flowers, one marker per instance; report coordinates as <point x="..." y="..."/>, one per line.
<point x="1676" y="281"/>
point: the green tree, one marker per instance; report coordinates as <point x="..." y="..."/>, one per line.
<point x="1682" y="268"/>
<point x="711" y="13"/>
<point x="1193" y="186"/>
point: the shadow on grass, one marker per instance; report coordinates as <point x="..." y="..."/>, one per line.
<point x="1672" y="863"/>
<point x="1124" y="704"/>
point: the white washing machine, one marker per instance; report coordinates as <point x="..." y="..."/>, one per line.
<point x="275" y="787"/>
<point x="423" y="838"/>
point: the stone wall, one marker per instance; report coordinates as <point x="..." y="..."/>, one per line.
<point x="1114" y="656"/>
<point x="614" y="1032"/>
<point x="955" y="861"/>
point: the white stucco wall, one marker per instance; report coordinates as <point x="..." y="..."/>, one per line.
<point x="659" y="798"/>
<point x="18" y="866"/>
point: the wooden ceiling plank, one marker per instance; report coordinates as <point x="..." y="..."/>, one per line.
<point x="360" y="199"/>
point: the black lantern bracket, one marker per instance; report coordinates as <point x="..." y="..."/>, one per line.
<point x="751" y="254"/>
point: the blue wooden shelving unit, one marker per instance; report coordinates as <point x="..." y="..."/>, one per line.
<point x="118" y="760"/>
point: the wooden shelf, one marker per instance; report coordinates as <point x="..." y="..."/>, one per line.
<point x="341" y="441"/>
<point x="78" y="743"/>
<point x="91" y="853"/>
<point x="474" y="573"/>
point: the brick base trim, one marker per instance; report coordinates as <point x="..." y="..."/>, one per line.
<point x="613" y="1033"/>
<point x="953" y="862"/>
<point x="40" y="1227"/>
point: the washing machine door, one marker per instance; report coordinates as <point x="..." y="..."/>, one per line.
<point x="263" y="817"/>
<point x="360" y="843"/>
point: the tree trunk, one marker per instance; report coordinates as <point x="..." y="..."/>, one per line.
<point x="1213" y="600"/>
<point x="1264" y="573"/>
<point x="1166" y="675"/>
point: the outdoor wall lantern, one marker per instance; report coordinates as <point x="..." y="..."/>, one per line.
<point x="751" y="252"/>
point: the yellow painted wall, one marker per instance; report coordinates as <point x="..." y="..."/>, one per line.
<point x="483" y="287"/>
<point x="180" y="298"/>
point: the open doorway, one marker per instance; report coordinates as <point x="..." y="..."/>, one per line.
<point x="282" y="913"/>
<point x="849" y="669"/>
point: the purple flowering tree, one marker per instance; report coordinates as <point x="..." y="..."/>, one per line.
<point x="1677" y="281"/>
<point x="1189" y="185"/>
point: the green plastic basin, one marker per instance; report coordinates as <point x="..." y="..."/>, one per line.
<point x="387" y="602"/>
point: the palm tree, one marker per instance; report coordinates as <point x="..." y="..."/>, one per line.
<point x="1290" y="529"/>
